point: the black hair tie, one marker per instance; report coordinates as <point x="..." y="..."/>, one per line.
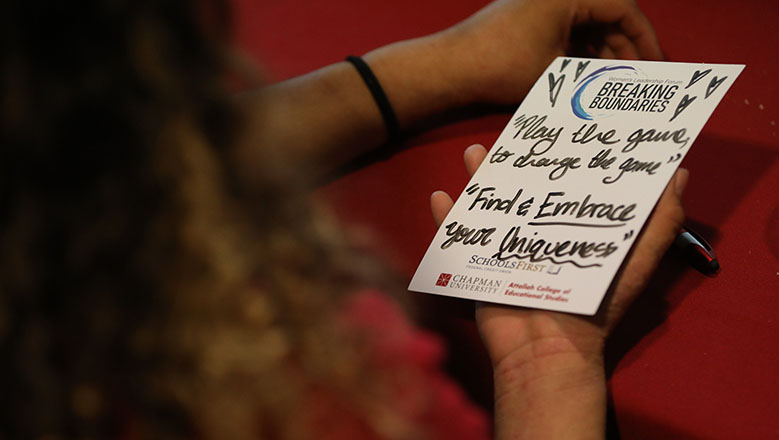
<point x="387" y="113"/>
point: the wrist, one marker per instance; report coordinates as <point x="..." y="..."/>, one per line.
<point x="550" y="389"/>
<point x="463" y="67"/>
<point x="546" y="360"/>
<point x="423" y="77"/>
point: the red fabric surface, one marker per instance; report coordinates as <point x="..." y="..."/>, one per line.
<point x="696" y="357"/>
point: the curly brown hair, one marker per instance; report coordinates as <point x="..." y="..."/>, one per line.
<point x="145" y="289"/>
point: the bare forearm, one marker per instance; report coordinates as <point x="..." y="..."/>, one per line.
<point x="321" y="119"/>
<point x="325" y="118"/>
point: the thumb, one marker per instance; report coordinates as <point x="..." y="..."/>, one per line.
<point x="440" y="204"/>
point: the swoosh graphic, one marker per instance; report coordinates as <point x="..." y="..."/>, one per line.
<point x="576" y="104"/>
<point x="499" y="256"/>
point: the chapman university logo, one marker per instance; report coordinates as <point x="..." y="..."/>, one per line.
<point x="468" y="283"/>
<point x="443" y="279"/>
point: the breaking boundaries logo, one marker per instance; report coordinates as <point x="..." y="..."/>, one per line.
<point x="630" y="91"/>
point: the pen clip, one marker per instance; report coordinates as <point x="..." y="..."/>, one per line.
<point x="699" y="253"/>
<point x="702" y="241"/>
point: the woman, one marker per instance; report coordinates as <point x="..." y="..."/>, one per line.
<point x="163" y="276"/>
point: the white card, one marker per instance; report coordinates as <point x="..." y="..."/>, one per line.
<point x="551" y="214"/>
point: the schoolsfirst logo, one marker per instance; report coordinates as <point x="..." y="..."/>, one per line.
<point x="477" y="261"/>
<point x="625" y="89"/>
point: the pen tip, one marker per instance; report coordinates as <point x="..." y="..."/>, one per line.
<point x="714" y="267"/>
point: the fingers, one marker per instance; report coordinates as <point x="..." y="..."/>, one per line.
<point x="637" y="28"/>
<point x="666" y="220"/>
<point x="622" y="47"/>
<point x="660" y="232"/>
<point x="473" y="156"/>
<point x="440" y="204"/>
<point x="607" y="53"/>
<point x="640" y="38"/>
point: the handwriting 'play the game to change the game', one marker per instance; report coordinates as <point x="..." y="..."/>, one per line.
<point x="551" y="214"/>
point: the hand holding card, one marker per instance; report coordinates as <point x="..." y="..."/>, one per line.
<point x="534" y="345"/>
<point x="511" y="42"/>
<point x="549" y="219"/>
<point x="660" y="231"/>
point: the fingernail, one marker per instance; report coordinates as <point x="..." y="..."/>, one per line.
<point x="682" y="176"/>
<point x="473" y="146"/>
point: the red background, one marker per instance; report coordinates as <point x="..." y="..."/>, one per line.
<point x="696" y="356"/>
